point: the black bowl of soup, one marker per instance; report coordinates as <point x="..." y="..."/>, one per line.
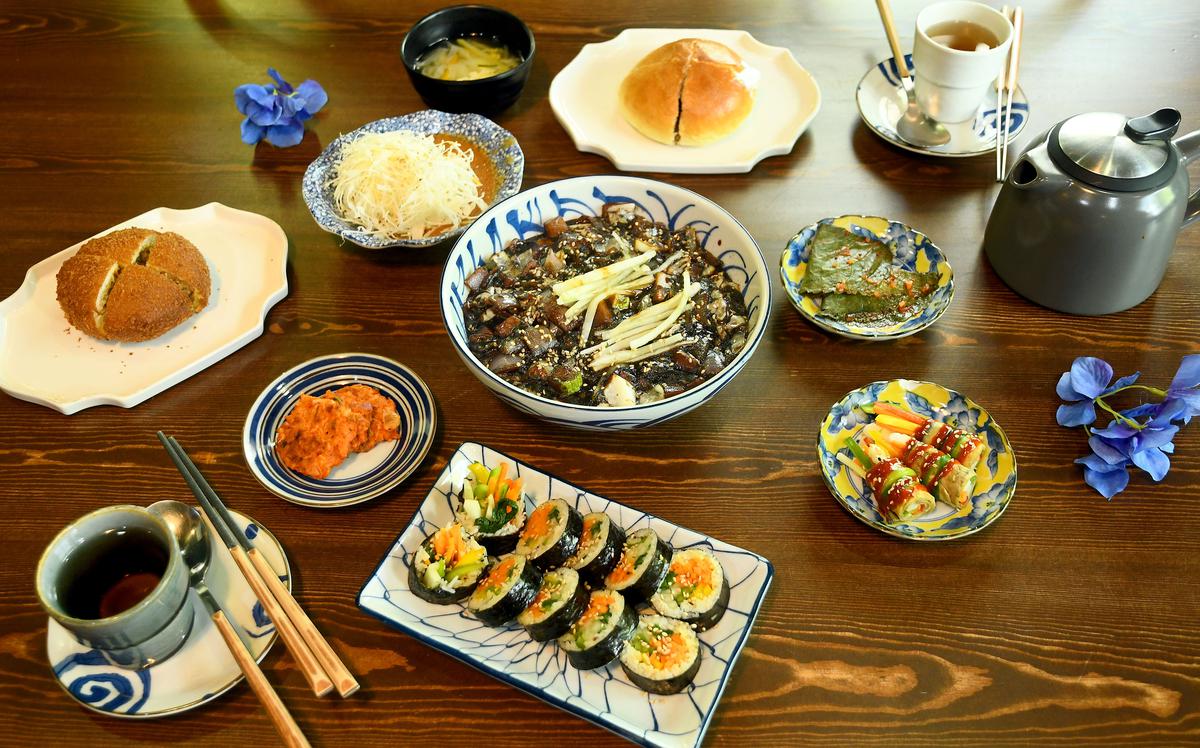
<point x="468" y="58"/>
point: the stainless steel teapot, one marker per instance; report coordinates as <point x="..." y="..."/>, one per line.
<point x="1088" y="216"/>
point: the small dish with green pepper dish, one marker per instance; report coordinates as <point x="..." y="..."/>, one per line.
<point x="866" y="277"/>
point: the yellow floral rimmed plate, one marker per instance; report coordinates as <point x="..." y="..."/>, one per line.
<point x="996" y="473"/>
<point x="913" y="251"/>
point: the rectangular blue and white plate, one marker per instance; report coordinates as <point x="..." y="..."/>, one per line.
<point x="604" y="696"/>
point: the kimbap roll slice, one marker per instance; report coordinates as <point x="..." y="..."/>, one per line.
<point x="597" y="638"/>
<point x="507" y="588"/>
<point x="599" y="547"/>
<point x="446" y="566"/>
<point x="662" y="656"/>
<point x="695" y="590"/>
<point x="645" y="561"/>
<point x="560" y="602"/>
<point x="492" y="509"/>
<point x="551" y="534"/>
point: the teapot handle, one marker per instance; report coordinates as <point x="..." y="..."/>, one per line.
<point x="1189" y="148"/>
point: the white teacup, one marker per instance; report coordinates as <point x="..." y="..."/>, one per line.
<point x="951" y="83"/>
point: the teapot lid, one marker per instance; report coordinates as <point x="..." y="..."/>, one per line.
<point x="1110" y="151"/>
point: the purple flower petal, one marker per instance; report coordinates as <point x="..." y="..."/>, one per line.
<point x="1169" y="448"/>
<point x="1168" y="410"/>
<point x="1108" y="451"/>
<point x="1153" y="462"/>
<point x="1064" y="389"/>
<point x="265" y="116"/>
<point x="1081" y="413"/>
<point x="1095" y="462"/>
<point x="285" y="134"/>
<point x="313" y="94"/>
<point x="245" y="94"/>
<point x="1108" y="484"/>
<point x="1141" y="410"/>
<point x="251" y="133"/>
<point x="283" y="85"/>
<point x="1116" y="430"/>
<point x="1153" y="438"/>
<point x="1123" y="382"/>
<point x="1188" y="375"/>
<point x="1090" y="375"/>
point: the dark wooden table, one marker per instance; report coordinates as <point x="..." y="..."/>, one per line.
<point x="1070" y="621"/>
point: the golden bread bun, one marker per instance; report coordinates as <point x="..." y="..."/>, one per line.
<point x="688" y="92"/>
<point x="133" y="284"/>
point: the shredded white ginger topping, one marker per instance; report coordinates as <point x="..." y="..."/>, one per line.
<point x="641" y="336"/>
<point x="406" y="185"/>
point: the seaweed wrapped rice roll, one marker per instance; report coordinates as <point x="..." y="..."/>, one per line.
<point x="507" y="588"/>
<point x="695" y="590"/>
<point x="597" y="638"/>
<point x="599" y="547"/>
<point x="645" y="560"/>
<point x="551" y="534"/>
<point x="492" y="509"/>
<point x="662" y="656"/>
<point x="446" y="566"/>
<point x="560" y="602"/>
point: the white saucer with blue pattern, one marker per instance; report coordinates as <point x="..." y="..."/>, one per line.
<point x="881" y="101"/>
<point x="201" y="670"/>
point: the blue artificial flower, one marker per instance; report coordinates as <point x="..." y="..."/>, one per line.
<point x="1184" y="391"/>
<point x="1087" y="380"/>
<point x="277" y="113"/>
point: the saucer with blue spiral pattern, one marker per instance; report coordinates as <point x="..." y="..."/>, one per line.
<point x="363" y="475"/>
<point x="202" y="669"/>
<point x="881" y="101"/>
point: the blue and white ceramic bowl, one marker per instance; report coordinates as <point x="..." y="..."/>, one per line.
<point x="913" y="251"/>
<point x="524" y="214"/>
<point x="363" y="475"/>
<point x="501" y="147"/>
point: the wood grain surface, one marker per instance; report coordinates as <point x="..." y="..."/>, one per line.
<point x="1070" y="621"/>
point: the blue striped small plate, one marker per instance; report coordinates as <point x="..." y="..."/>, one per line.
<point x="362" y="476"/>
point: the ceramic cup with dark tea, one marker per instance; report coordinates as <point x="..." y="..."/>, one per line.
<point x="959" y="48"/>
<point x="116" y="581"/>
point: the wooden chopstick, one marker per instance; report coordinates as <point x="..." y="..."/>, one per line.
<point x="305" y="659"/>
<point x="1001" y="118"/>
<point x="1010" y="83"/>
<point x="343" y="680"/>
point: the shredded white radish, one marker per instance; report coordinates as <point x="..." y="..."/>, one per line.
<point x="406" y="185"/>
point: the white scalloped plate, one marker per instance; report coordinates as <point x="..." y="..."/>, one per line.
<point x="46" y="361"/>
<point x="605" y="695"/>
<point x="584" y="98"/>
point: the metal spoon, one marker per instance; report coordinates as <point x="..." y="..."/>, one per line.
<point x="914" y="126"/>
<point x="189" y="531"/>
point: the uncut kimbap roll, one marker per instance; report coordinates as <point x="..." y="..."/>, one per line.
<point x="599" y="547"/>
<point x="597" y="638"/>
<point x="560" y="602"/>
<point x="446" y="566"/>
<point x="551" y="534"/>
<point x="491" y="508"/>
<point x="662" y="656"/>
<point x="645" y="560"/>
<point x="506" y="589"/>
<point x="695" y="590"/>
